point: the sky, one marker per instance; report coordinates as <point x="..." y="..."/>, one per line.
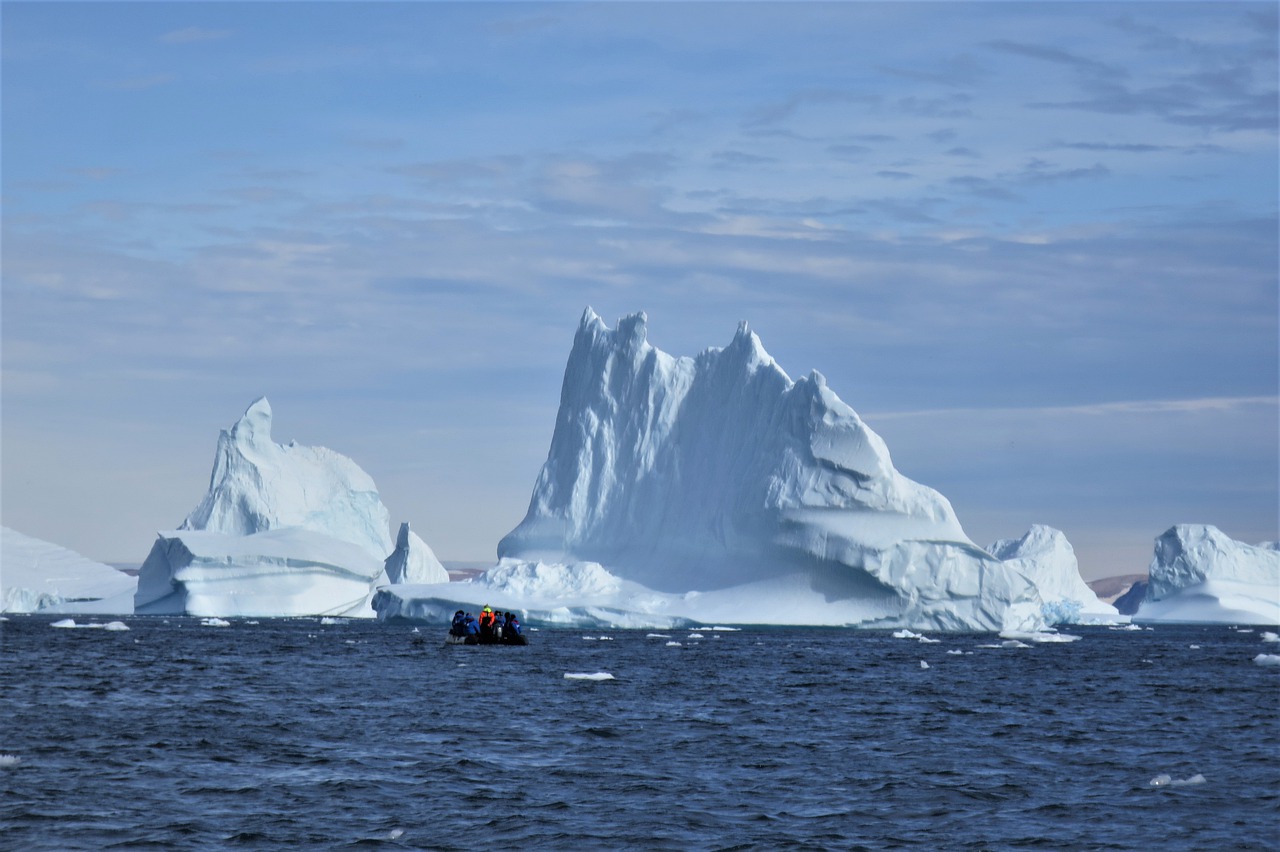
<point x="1034" y="245"/>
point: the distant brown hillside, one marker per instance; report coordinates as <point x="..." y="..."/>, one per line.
<point x="1109" y="588"/>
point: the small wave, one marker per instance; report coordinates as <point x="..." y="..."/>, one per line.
<point x="1267" y="659"/>
<point x="588" y="676"/>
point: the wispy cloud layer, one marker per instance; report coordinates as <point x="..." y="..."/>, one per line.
<point x="389" y="214"/>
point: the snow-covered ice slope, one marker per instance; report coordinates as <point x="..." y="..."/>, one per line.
<point x="720" y="474"/>
<point x="284" y="530"/>
<point x="1044" y="554"/>
<point x="1199" y="574"/>
<point x="282" y="572"/>
<point x="37" y="576"/>
<point x="260" y="485"/>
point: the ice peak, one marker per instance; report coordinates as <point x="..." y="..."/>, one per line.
<point x="254" y="426"/>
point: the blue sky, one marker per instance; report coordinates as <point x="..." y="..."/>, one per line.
<point x="1034" y="245"/>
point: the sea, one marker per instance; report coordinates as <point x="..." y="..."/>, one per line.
<point x="188" y="733"/>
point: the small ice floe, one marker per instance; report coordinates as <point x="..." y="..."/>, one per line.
<point x="923" y="664"/>
<point x="956" y="652"/>
<point x="696" y="636"/>
<point x="1039" y="637"/>
<point x="905" y="634"/>
<point x="331" y="620"/>
<point x="657" y="636"/>
<point x="215" y="622"/>
<point x="1163" y="780"/>
<point x="725" y="629"/>
<point x="1268" y="636"/>
<point x="1129" y="626"/>
<point x="395" y="834"/>
<point x="588" y="676"/>
<point x="70" y="623"/>
<point x="1194" y="647"/>
<point x="1267" y="659"/>
<point x="674" y="644"/>
<point x="8" y="760"/>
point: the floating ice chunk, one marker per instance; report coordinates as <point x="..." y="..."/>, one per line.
<point x="726" y="629"/>
<point x="64" y="622"/>
<point x="215" y="622"/>
<point x="1013" y="643"/>
<point x="588" y="676"/>
<point x="696" y="636"/>
<point x="905" y="634"/>
<point x="1267" y="659"/>
<point x="1270" y="637"/>
<point x="115" y="626"/>
<point x="329" y="620"/>
<point x="1194" y="647"/>
<point x="923" y="664"/>
<point x="7" y="760"/>
<point x="1039" y="637"/>
<point x="657" y="636"/>
<point x="1164" y="780"/>
<point x="674" y="644"/>
<point x="955" y="652"/>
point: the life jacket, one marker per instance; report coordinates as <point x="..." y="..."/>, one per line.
<point x="486" y="620"/>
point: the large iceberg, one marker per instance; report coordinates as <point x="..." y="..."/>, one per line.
<point x="1200" y="575"/>
<point x="37" y="576"/>
<point x="1044" y="554"/>
<point x="715" y="488"/>
<point x="284" y="530"/>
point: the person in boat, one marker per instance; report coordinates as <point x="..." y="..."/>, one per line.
<point x="469" y="625"/>
<point x="458" y="627"/>
<point x="488" y="621"/>
<point x="510" y="624"/>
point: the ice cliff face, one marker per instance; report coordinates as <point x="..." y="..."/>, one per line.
<point x="413" y="561"/>
<point x="1045" y="556"/>
<point x="1199" y="574"/>
<point x="259" y="485"/>
<point x="701" y="474"/>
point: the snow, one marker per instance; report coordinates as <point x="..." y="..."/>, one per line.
<point x="413" y="561"/>
<point x="1200" y="575"/>
<point x="1045" y="556"/>
<point x="716" y="489"/>
<point x="281" y="572"/>
<point x="37" y="576"/>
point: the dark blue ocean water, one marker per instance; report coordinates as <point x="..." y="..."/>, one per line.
<point x="298" y="734"/>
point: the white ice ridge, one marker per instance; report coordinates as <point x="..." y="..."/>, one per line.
<point x="717" y="489"/>
<point x="259" y="485"/>
<point x="1200" y="575"/>
<point x="37" y="576"/>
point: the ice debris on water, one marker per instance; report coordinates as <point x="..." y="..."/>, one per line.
<point x="923" y="664"/>
<point x="1164" y="780"/>
<point x="674" y="644"/>
<point x="215" y="622"/>
<point x="1267" y="659"/>
<point x="7" y="760"/>
<point x="113" y="626"/>
<point x="1268" y="636"/>
<point x="588" y="676"/>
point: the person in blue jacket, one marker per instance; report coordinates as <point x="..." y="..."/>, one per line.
<point x="458" y="628"/>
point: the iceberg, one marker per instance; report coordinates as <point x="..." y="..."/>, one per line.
<point x="717" y="489"/>
<point x="284" y="530"/>
<point x="283" y="572"/>
<point x="38" y="576"/>
<point x="1045" y="556"/>
<point x="413" y="561"/>
<point x="1198" y="574"/>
